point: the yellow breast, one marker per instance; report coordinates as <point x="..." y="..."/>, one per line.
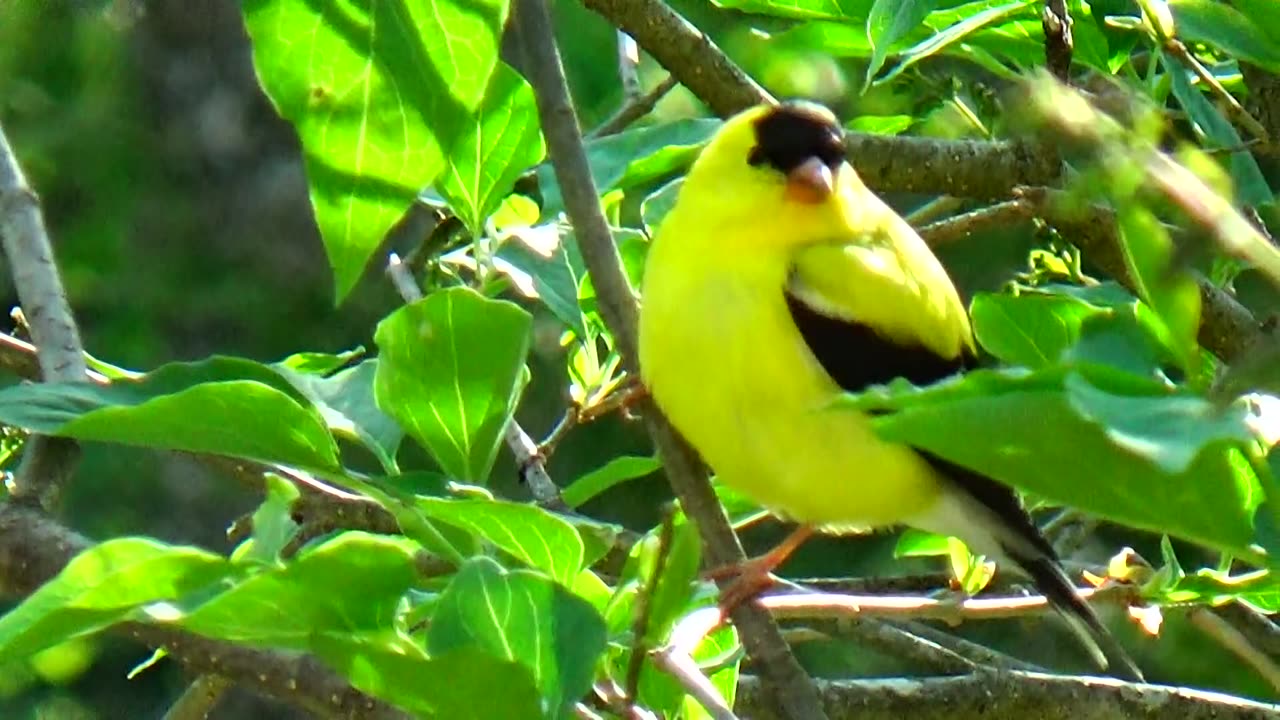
<point x="722" y="358"/>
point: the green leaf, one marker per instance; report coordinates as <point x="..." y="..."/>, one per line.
<point x="524" y="617"/>
<point x="104" y="585"/>
<point x="273" y="523"/>
<point x="1250" y="186"/>
<point x="720" y="649"/>
<point x="458" y="684"/>
<point x="1262" y="13"/>
<point x="350" y="584"/>
<point x="345" y="400"/>
<point x="889" y="22"/>
<point x="881" y="124"/>
<point x="1035" y="438"/>
<point x="532" y="535"/>
<point x="637" y="155"/>
<point x="672" y="594"/>
<point x="837" y="39"/>
<point x="1090" y="44"/>
<point x="222" y="406"/>
<point x="1031" y="329"/>
<point x="616" y="471"/>
<point x="1169" y="431"/>
<point x="1222" y="26"/>
<point x="501" y="142"/>
<point x="659" y="202"/>
<point x="803" y="9"/>
<point x="555" y="267"/>
<point x="918" y="543"/>
<point x="1174" y="296"/>
<point x="953" y="34"/>
<point x="449" y="372"/>
<point x="376" y="91"/>
<point x="318" y="363"/>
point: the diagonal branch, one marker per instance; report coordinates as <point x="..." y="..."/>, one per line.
<point x="34" y="548"/>
<point x="790" y="689"/>
<point x="1011" y="695"/>
<point x="47" y="462"/>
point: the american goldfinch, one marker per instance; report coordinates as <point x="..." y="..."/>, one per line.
<point x="779" y="281"/>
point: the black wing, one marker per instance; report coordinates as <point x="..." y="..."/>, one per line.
<point x="856" y="357"/>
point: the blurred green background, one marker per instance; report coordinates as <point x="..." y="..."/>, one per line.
<point x="177" y="203"/>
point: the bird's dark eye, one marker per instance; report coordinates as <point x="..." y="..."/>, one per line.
<point x="793" y="133"/>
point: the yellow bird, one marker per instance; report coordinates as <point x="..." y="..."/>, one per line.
<point x="780" y="281"/>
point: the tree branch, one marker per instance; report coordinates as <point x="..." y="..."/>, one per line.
<point x="199" y="699"/>
<point x="47" y="463"/>
<point x="34" y="548"/>
<point x="985" y="695"/>
<point x="888" y="164"/>
<point x="790" y="688"/>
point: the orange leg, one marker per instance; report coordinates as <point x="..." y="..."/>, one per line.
<point x="754" y="575"/>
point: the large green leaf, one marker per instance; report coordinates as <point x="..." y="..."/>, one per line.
<point x="1222" y="26"/>
<point x="534" y="536"/>
<point x="104" y="585"/>
<point x="351" y="584"/>
<point x="501" y="142"/>
<point x="458" y="685"/>
<point x="1087" y="443"/>
<point x="223" y="406"/>
<point x="1031" y="329"/>
<point x="524" y="617"/>
<point x="376" y="90"/>
<point x="449" y="372"/>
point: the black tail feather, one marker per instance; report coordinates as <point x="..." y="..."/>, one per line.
<point x="1020" y="541"/>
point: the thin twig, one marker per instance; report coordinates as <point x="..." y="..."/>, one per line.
<point x="935" y="208"/>
<point x="635" y="109"/>
<point x="48" y="462"/>
<point x="960" y="227"/>
<point x="199" y="699"/>
<point x="790" y="687"/>
<point x="1223" y="633"/>
<point x="972" y="651"/>
<point x="921" y="652"/>
<point x="1260" y="629"/>
<point x="685" y="671"/>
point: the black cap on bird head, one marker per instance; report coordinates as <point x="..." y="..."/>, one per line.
<point x="803" y="141"/>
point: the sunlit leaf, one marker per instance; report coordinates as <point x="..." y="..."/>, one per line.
<point x="102" y="586"/>
<point x="376" y="92"/>
<point x="449" y="370"/>
<point x="523" y="617"/>
<point x="500" y="143"/>
<point x="534" y="536"/>
<point x="222" y="406"/>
